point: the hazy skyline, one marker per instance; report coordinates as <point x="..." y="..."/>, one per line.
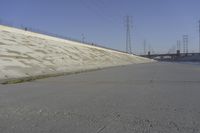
<point x="160" y="22"/>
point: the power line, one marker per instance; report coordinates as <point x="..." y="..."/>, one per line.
<point x="95" y="8"/>
<point x="102" y="3"/>
<point x="101" y="7"/>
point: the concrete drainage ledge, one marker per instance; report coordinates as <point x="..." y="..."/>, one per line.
<point x="36" y="77"/>
<point x="32" y="78"/>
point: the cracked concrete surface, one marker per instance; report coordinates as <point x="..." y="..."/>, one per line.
<point x="139" y="98"/>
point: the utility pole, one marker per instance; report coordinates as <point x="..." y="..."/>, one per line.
<point x="145" y="45"/>
<point x="83" y="38"/>
<point x="150" y="49"/>
<point x="128" y="23"/>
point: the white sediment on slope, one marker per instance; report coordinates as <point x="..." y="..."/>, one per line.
<point x="26" y="54"/>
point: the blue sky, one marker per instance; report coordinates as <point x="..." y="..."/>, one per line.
<point x="160" y="22"/>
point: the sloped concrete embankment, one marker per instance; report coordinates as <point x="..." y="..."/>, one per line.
<point x="25" y="55"/>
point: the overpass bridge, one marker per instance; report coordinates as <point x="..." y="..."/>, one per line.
<point x="174" y="56"/>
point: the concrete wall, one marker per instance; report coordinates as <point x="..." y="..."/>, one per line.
<point x="26" y="54"/>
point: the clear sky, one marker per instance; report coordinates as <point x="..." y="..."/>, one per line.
<point x="160" y="22"/>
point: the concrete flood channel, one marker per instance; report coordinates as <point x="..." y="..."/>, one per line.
<point x="24" y="54"/>
<point x="139" y="98"/>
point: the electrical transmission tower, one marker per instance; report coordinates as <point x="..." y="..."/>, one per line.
<point x="128" y="23"/>
<point x="199" y="36"/>
<point x="178" y="45"/>
<point x="185" y="43"/>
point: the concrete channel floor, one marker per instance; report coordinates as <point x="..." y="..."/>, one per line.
<point x="142" y="98"/>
